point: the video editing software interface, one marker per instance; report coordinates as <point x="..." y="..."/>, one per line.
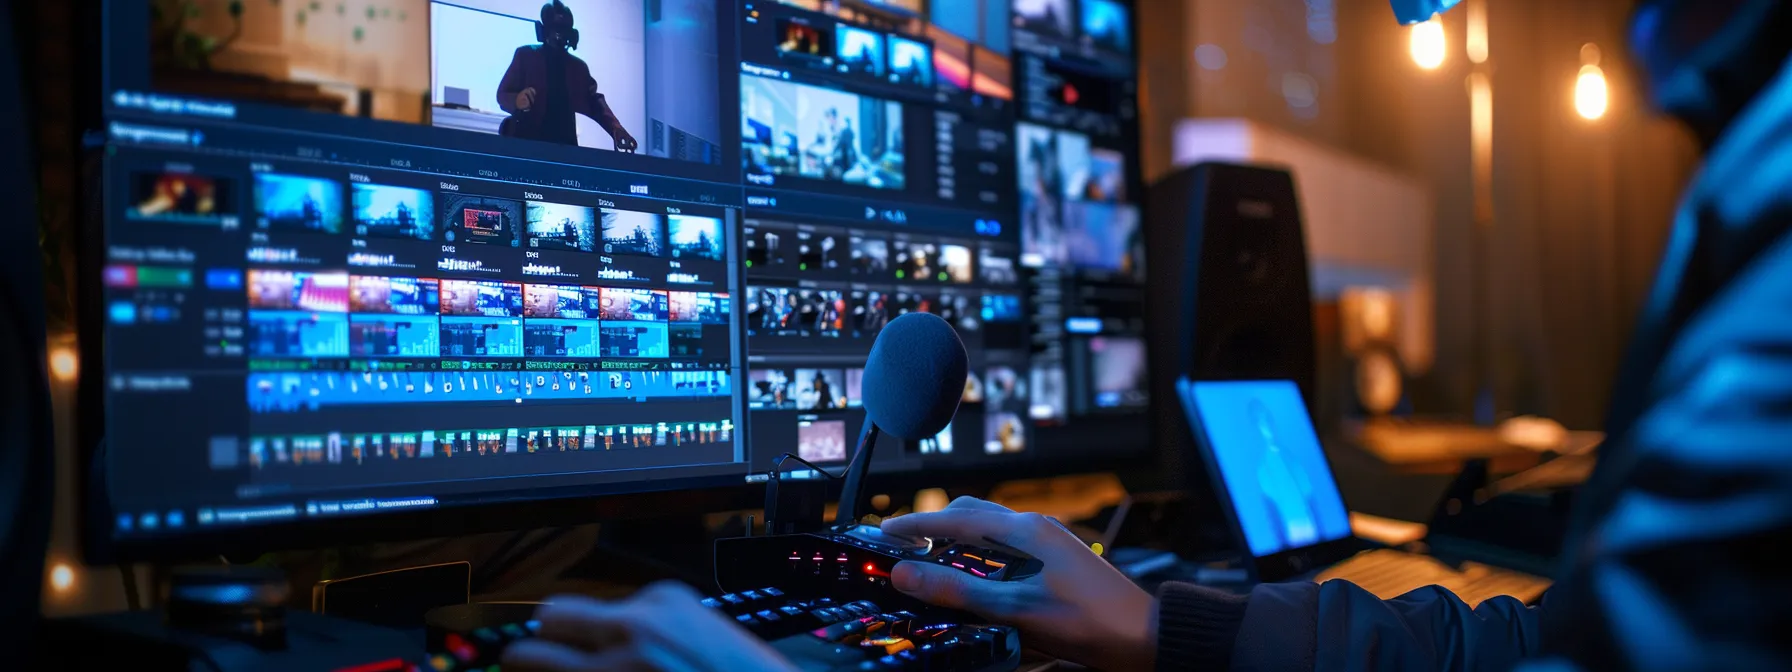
<point x="419" y="254"/>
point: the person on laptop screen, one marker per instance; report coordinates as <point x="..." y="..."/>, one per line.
<point x="1673" y="556"/>
<point x="1286" y="489"/>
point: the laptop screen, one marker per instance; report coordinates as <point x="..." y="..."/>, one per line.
<point x="1262" y="443"/>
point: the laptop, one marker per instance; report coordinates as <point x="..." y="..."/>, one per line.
<point x="1285" y="508"/>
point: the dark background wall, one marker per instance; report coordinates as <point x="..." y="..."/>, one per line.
<point x="1580" y="208"/>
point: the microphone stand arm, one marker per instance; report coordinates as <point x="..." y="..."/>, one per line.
<point x="852" y="496"/>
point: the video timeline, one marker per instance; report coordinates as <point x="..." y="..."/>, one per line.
<point x="647" y="86"/>
<point x="292" y="392"/>
<point x="336" y="448"/>
<point x="792" y="130"/>
<point x="310" y="315"/>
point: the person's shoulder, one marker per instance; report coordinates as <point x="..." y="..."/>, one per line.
<point x="1745" y="327"/>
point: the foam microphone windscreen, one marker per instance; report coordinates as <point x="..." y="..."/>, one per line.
<point x="914" y="377"/>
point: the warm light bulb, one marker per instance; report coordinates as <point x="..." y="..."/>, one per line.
<point x="62" y="577"/>
<point x="63" y="364"/>
<point x="1428" y="44"/>
<point x="1590" y="94"/>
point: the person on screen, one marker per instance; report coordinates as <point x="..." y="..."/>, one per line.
<point x="834" y="144"/>
<point x="546" y="86"/>
<point x="1287" y="491"/>
<point x="1669" y="561"/>
<point x="823" y="391"/>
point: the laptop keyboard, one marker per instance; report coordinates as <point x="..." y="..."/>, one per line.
<point x="1389" y="574"/>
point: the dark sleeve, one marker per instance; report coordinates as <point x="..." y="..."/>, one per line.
<point x="1686" y="568"/>
<point x="598" y="107"/>
<point x="512" y="83"/>
<point x="1338" y="626"/>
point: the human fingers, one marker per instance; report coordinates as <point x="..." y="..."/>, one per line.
<point x="1028" y="533"/>
<point x="583" y="622"/>
<point x="973" y="503"/>
<point x="946" y="587"/>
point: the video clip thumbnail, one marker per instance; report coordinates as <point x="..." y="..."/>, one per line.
<point x="860" y="51"/>
<point x="1105" y="237"/>
<point x="484" y="220"/>
<point x="820" y="389"/>
<point x="1004" y="433"/>
<point x="821" y="134"/>
<point x="911" y="62"/>
<point x="298" y="334"/>
<point x="1106" y="26"/>
<point x="918" y="261"/>
<point x="1001" y="308"/>
<point x="997" y="267"/>
<point x="394" y="296"/>
<point x="803" y="38"/>
<point x="393" y="212"/>
<point x="870" y="312"/>
<point x="821" y="440"/>
<point x="870" y="256"/>
<point x="1045" y="17"/>
<point x="1050" y="396"/>
<point x="765" y="245"/>
<point x="555" y="301"/>
<point x="961" y="310"/>
<point x="182" y="198"/>
<point x="1118" y="370"/>
<point x="413" y="336"/>
<point x="772" y="309"/>
<point x="633" y="304"/>
<point x="819" y="250"/>
<point x="644" y="78"/>
<point x="1005" y="388"/>
<point x="700" y="307"/>
<point x="696" y="237"/>
<point x="821" y="312"/>
<point x="557" y="226"/>
<point x="482" y="298"/>
<point x="955" y="261"/>
<point x="637" y="233"/>
<point x="916" y="301"/>
<point x="769" y="389"/>
<point x="636" y="340"/>
<point x="297" y="203"/>
<point x="298" y="290"/>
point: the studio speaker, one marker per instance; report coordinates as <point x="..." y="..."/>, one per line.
<point x="1230" y="294"/>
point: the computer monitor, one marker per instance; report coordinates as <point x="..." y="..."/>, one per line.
<point x="374" y="273"/>
<point x="356" y="272"/>
<point x="995" y="189"/>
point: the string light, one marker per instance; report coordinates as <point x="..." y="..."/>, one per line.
<point x="1591" y="94"/>
<point x="64" y="365"/>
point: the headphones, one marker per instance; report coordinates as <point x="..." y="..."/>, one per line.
<point x="541" y="27"/>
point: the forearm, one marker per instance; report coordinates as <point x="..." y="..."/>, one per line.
<point x="1196" y="627"/>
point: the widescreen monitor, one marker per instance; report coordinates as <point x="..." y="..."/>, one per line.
<point x="381" y="269"/>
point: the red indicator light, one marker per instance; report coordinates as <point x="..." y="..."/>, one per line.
<point x="395" y="664"/>
<point x="871" y="568"/>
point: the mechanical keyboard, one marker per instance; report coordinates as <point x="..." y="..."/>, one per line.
<point x="815" y="635"/>
<point x="1389" y="573"/>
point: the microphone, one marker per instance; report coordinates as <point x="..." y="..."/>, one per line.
<point x="914" y="379"/>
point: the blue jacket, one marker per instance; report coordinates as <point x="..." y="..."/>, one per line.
<point x="1673" y="558"/>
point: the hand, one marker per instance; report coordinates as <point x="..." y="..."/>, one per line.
<point x="662" y="627"/>
<point x="1078" y="608"/>
<point x="525" y="99"/>
<point x="624" y="141"/>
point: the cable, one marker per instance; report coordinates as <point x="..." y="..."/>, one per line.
<point x="778" y="466"/>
